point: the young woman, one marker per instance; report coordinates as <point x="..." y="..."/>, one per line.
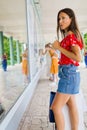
<point x="54" y="62"/>
<point x="69" y="75"/>
<point x="25" y="65"/>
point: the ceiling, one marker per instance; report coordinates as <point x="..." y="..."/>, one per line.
<point x="13" y="16"/>
<point x="13" y="19"/>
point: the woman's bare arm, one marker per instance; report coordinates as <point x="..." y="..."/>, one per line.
<point x="44" y="52"/>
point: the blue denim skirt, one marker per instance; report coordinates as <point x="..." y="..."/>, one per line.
<point x="69" y="81"/>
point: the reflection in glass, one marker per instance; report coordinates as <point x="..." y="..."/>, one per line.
<point x="25" y="69"/>
<point x="13" y="42"/>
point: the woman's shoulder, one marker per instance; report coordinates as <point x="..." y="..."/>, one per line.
<point x="71" y="36"/>
<point x="73" y="40"/>
<point x="70" y="33"/>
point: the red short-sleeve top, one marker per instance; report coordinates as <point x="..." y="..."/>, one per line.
<point x="66" y="43"/>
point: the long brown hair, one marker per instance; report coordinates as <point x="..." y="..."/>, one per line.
<point x="73" y="26"/>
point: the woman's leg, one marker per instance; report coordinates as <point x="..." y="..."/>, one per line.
<point x="57" y="105"/>
<point x="51" y="77"/>
<point x="56" y="77"/>
<point x="73" y="112"/>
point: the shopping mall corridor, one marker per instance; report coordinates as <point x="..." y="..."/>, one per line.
<point x="36" y="115"/>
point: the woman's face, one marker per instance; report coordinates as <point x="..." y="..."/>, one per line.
<point x="64" y="21"/>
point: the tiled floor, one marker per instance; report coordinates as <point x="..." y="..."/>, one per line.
<point x="36" y="114"/>
<point x="84" y="88"/>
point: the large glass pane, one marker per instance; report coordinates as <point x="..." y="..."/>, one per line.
<point x="13" y="42"/>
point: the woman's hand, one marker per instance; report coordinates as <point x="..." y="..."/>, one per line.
<point x="56" y="45"/>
